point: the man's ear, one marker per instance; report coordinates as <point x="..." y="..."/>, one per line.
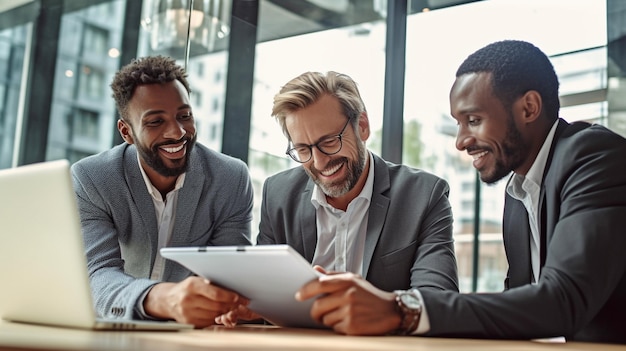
<point x="125" y="131"/>
<point x="364" y="126"/>
<point x="532" y="105"/>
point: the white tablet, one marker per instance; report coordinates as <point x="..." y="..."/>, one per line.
<point x="268" y="275"/>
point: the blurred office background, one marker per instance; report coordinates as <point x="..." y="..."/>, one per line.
<point x="57" y="58"/>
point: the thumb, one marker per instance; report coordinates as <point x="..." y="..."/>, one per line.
<point x="320" y="269"/>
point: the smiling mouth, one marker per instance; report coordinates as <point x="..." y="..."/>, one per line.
<point x="479" y="155"/>
<point x="172" y="150"/>
<point x="332" y="170"/>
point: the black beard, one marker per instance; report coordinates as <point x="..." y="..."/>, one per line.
<point x="514" y="149"/>
<point x="153" y="160"/>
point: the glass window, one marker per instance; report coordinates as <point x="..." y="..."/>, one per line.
<point x="325" y="39"/>
<point x="83" y="116"/>
<point x="437" y="42"/>
<point x="95" y="39"/>
<point x="84" y="124"/>
<point x="342" y="35"/>
<point x="91" y="83"/>
<point x="196" y="98"/>
<point x="13" y="44"/>
<point x="5" y="50"/>
<point x="164" y="32"/>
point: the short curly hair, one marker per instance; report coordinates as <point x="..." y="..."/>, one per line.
<point x="146" y="70"/>
<point x="516" y="67"/>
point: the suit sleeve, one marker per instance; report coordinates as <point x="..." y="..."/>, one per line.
<point x="435" y="263"/>
<point x="266" y="233"/>
<point x="115" y="292"/>
<point x="287" y="215"/>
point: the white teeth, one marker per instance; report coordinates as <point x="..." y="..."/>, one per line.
<point x="172" y="150"/>
<point x="331" y="171"/>
<point x="477" y="156"/>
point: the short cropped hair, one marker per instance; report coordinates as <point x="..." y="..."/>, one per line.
<point x="309" y="87"/>
<point x="142" y="71"/>
<point x="516" y="67"/>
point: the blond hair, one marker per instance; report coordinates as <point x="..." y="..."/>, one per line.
<point x="309" y="87"/>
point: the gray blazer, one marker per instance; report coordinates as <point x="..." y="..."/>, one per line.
<point x="119" y="221"/>
<point x="581" y="293"/>
<point x="409" y="231"/>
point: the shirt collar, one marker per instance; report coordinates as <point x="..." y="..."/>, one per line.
<point x="535" y="173"/>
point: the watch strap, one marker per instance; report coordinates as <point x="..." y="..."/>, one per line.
<point x="410" y="314"/>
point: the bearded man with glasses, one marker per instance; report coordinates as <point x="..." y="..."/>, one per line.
<point x="348" y="210"/>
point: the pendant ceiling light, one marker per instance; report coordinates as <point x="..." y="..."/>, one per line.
<point x="187" y="27"/>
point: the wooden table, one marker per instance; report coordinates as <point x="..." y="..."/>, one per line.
<point x="16" y="336"/>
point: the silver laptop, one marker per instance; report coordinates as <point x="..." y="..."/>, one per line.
<point x="43" y="268"/>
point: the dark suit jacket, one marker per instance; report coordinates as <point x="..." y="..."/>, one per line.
<point x="581" y="293"/>
<point x="409" y="232"/>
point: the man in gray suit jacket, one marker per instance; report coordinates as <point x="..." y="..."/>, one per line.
<point x="564" y="220"/>
<point x="346" y="209"/>
<point x="158" y="189"/>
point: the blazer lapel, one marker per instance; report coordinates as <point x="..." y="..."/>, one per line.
<point x="516" y="235"/>
<point x="377" y="211"/>
<point x="542" y="211"/>
<point x="308" y="223"/>
<point x="188" y="199"/>
<point x="142" y="199"/>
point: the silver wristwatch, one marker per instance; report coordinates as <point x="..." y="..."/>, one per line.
<point x="409" y="305"/>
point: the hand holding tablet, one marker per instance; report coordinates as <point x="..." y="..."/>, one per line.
<point x="268" y="275"/>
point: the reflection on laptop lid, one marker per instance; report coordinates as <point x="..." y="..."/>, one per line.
<point x="43" y="268"/>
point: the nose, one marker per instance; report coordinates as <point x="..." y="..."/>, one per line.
<point x="319" y="158"/>
<point x="463" y="139"/>
<point x="174" y="130"/>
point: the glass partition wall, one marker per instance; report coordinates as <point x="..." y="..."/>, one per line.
<point x="437" y="42"/>
<point x="57" y="58"/>
<point x="13" y="48"/>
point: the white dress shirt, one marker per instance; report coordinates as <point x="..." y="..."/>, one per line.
<point x="165" y="215"/>
<point x="527" y="189"/>
<point x="341" y="235"/>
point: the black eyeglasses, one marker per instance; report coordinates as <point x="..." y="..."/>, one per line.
<point x="329" y="145"/>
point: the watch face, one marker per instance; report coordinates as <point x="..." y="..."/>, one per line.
<point x="410" y="301"/>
